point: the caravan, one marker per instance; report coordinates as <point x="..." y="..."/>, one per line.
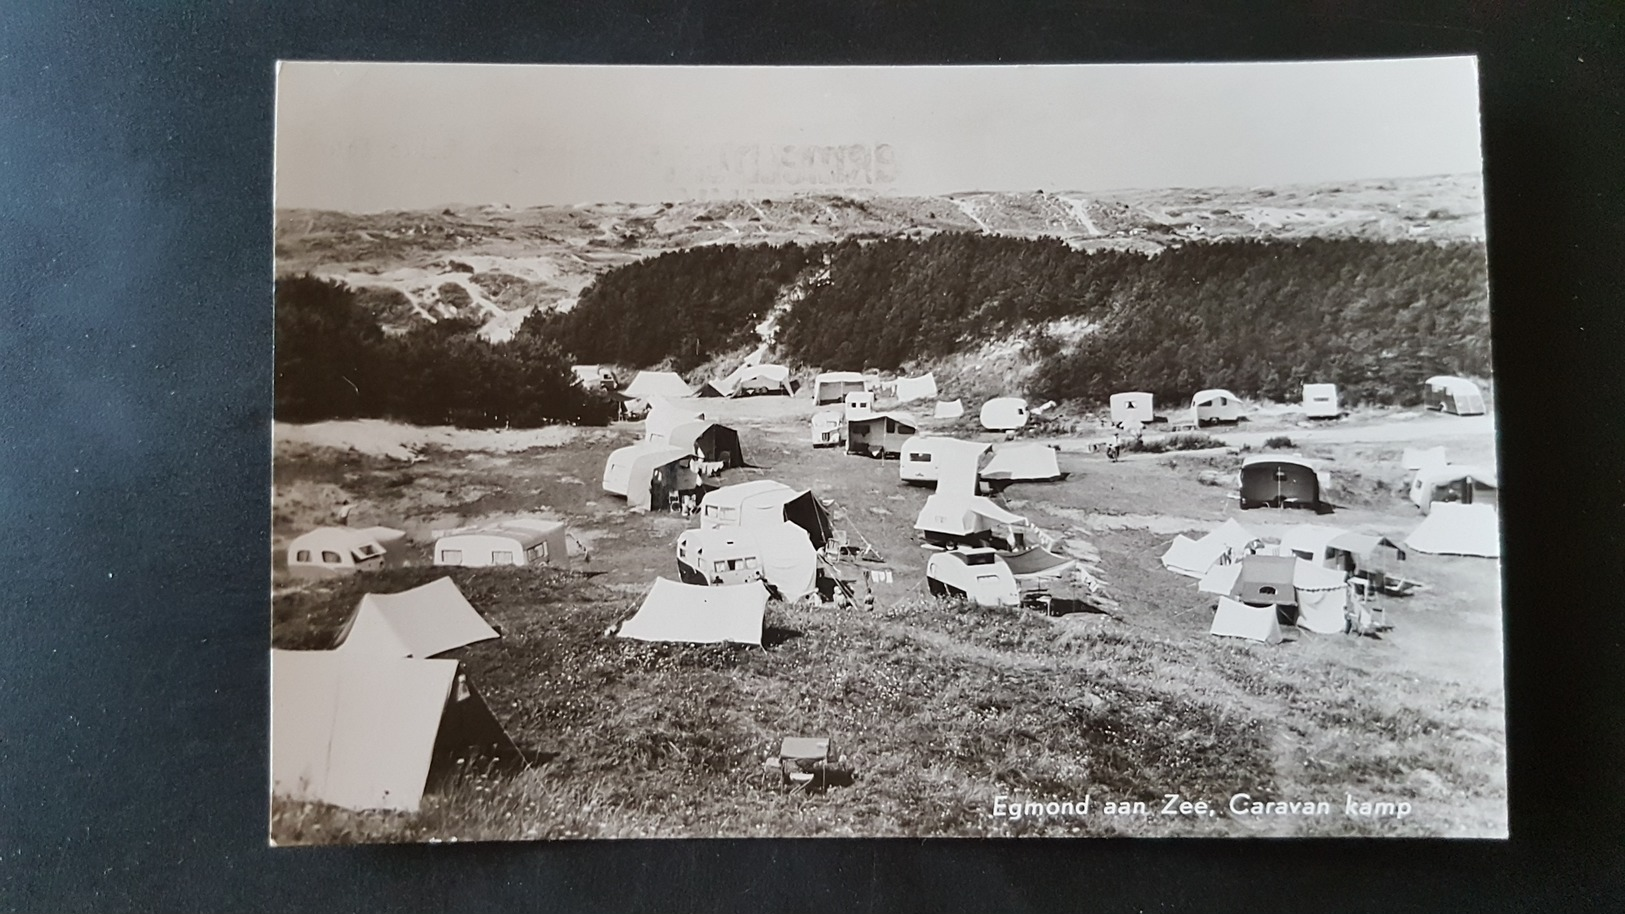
<point x="522" y="541"/>
<point x="977" y="575"/>
<point x="1450" y="394"/>
<point x="922" y="457"/>
<point x="1131" y="408"/>
<point x="331" y="551"/>
<point x="651" y="476"/>
<point x="781" y="556"/>
<point x="1004" y="414"/>
<point x="1467" y="485"/>
<point x="1216" y="405"/>
<point x="1280" y="482"/>
<point x="765" y="503"/>
<point x="1320" y="401"/>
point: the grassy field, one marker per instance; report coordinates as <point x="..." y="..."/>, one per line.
<point x="939" y="707"/>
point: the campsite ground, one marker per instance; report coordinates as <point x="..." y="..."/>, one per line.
<point x="939" y="708"/>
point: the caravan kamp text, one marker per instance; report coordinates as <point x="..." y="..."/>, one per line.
<point x="1239" y="806"/>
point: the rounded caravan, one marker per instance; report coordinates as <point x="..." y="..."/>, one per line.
<point x="1132" y="407"/>
<point x="1004" y="414"/>
<point x="1454" y="483"/>
<point x="651" y="476"/>
<point x="833" y="386"/>
<point x="1280" y="482"/>
<point x="1320" y="401"/>
<point x="513" y="542"/>
<point x="781" y="556"/>
<point x="765" y="503"/>
<point x="1450" y="394"/>
<point x="327" y="552"/>
<point x="1216" y="405"/>
<point x="827" y="428"/>
<point x="978" y="575"/>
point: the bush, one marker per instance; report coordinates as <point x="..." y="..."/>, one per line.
<point x="1184" y="441"/>
<point x="1279" y="441"/>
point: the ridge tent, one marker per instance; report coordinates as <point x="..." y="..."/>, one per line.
<point x="1223" y="545"/>
<point x="1453" y="483"/>
<point x="327" y="552"/>
<point x="651" y="384"/>
<point x="1024" y="463"/>
<point x="923" y="457"/>
<point x="949" y="409"/>
<point x="765" y="503"/>
<point x="1234" y="619"/>
<point x="827" y="427"/>
<point x="879" y="434"/>
<point x="1320" y="401"/>
<point x="923" y="387"/>
<point x="1004" y="414"/>
<point x="1450" y="394"/>
<point x="520" y="541"/>
<point x="833" y="386"/>
<point x="1132" y="407"/>
<point x="650" y="475"/>
<point x="420" y="622"/>
<point x="1215" y="405"/>
<point x="952" y="519"/>
<point x="374" y="732"/>
<point x="1457" y="529"/>
<point x="1280" y="482"/>
<point x="1316" y="597"/>
<point x="757" y="380"/>
<point x="699" y="615"/>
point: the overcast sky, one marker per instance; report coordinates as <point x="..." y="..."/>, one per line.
<point x="366" y="137"/>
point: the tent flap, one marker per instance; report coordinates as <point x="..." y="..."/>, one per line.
<point x="699" y="614"/>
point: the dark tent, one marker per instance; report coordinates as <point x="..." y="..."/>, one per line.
<point x="805" y="512"/>
<point x="1279" y="482"/>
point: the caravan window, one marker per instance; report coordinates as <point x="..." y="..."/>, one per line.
<point x="332" y="558"/>
<point x="502" y="558"/>
<point x="919" y="458"/>
<point x="302" y="555"/>
<point x="451" y="556"/>
<point x="979" y="558"/>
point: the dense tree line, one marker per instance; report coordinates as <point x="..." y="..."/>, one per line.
<point x="685" y="306"/>
<point x="334" y="362"/>
<point x="889" y="302"/>
<point x="1263" y="318"/>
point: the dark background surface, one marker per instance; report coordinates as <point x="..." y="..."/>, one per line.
<point x="135" y="317"/>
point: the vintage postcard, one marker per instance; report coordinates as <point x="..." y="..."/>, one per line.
<point x="1050" y="451"/>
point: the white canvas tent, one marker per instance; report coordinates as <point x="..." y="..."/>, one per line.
<point x="951" y="518"/>
<point x="1320" y="595"/>
<point x="1004" y="414"/>
<point x="631" y="472"/>
<point x="1134" y="406"/>
<point x="1193" y="558"/>
<point x="1215" y="405"/>
<point x="420" y="622"/>
<point x="518" y="541"/>
<point x="700" y="615"/>
<point x="1235" y="619"/>
<point x="1023" y="463"/>
<point x="1456" y="529"/>
<point x="949" y="409"/>
<point x="1320" y="401"/>
<point x="920" y="388"/>
<point x="833" y="386"/>
<point x="649" y="385"/>
<point x="363" y="731"/>
<point x="750" y="380"/>
<point x="329" y="551"/>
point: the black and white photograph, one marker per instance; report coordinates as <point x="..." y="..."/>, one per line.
<point x="1051" y="451"/>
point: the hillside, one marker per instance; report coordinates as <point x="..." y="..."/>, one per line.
<point x="497" y="264"/>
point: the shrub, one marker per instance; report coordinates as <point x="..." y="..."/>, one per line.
<point x="1279" y="441"/>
